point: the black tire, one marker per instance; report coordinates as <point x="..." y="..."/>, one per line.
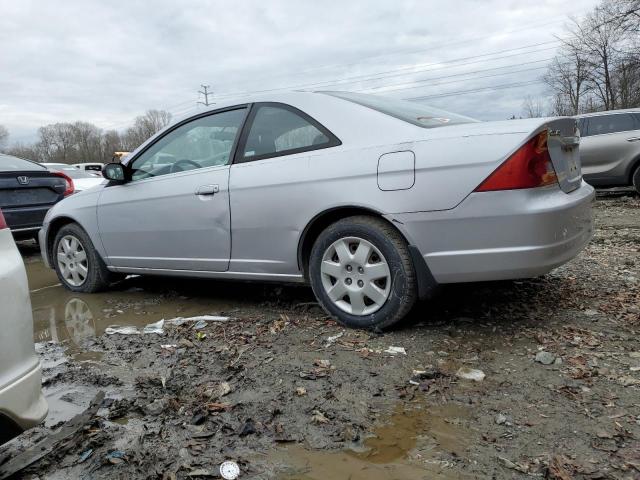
<point x="635" y="179"/>
<point x="403" y="289"/>
<point x="98" y="276"/>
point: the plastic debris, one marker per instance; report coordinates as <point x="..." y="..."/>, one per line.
<point x="470" y="374"/>
<point x="115" y="329"/>
<point x="84" y="455"/>
<point x="229" y="470"/>
<point x="396" y="351"/>
<point x="198" y="319"/>
<point x="332" y="339"/>
<point x="156" y="327"/>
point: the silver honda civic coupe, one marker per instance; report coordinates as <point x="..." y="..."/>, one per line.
<point x="373" y="201"/>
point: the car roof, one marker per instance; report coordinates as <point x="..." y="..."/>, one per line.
<point x="608" y="112"/>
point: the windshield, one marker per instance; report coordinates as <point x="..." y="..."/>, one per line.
<point x="9" y="163"/>
<point x="415" y="113"/>
<point x="70" y="170"/>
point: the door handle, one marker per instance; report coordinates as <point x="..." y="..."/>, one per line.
<point x="207" y="190"/>
<point x="633" y="139"/>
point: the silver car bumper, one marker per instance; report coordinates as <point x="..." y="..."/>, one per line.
<point x="502" y="235"/>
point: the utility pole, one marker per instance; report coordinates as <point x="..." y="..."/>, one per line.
<point x="206" y="94"/>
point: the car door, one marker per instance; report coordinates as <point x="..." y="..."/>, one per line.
<point x="173" y="212"/>
<point x="605" y="145"/>
<point x="275" y="184"/>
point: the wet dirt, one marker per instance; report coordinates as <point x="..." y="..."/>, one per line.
<point x="289" y="394"/>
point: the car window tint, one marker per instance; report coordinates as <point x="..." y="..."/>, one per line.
<point x="278" y="130"/>
<point x="9" y="163"/>
<point x="620" y="122"/>
<point x="203" y="142"/>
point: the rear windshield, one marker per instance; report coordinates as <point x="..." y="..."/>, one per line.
<point x="15" y="164"/>
<point x="416" y="113"/>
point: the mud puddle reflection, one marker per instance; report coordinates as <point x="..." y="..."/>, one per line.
<point x="417" y="442"/>
<point x="63" y="316"/>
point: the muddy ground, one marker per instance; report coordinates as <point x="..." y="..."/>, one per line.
<point x="288" y="394"/>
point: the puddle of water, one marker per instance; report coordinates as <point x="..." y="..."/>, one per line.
<point x="414" y="442"/>
<point x="60" y="315"/>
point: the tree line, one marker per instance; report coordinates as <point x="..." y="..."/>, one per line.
<point x="81" y="142"/>
<point x="597" y="66"/>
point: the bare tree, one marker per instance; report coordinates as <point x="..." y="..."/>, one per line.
<point x="598" y="66"/>
<point x="4" y="136"/>
<point x="532" y="107"/>
<point x="144" y="127"/>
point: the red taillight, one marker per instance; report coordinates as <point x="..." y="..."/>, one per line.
<point x="69" y="182"/>
<point x="3" y="222"/>
<point x="529" y="167"/>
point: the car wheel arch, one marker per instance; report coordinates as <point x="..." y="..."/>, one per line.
<point x="321" y="221"/>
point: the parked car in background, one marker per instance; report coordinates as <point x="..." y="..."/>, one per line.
<point x="610" y="148"/>
<point x="22" y="404"/>
<point x="27" y="191"/>
<point x="372" y="200"/>
<point x="82" y="179"/>
<point x="91" y="167"/>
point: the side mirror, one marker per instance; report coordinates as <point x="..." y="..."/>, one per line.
<point x="113" y="172"/>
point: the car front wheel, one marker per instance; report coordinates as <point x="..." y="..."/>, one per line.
<point x="76" y="262"/>
<point x="361" y="272"/>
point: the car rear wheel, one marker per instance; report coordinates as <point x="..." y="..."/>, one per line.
<point x="361" y="272"/>
<point x="636" y="179"/>
<point x="76" y="262"/>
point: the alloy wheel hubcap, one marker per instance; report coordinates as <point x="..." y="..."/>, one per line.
<point x="72" y="261"/>
<point x="355" y="276"/>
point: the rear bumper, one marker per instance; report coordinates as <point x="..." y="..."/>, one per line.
<point x="25" y="219"/>
<point x="502" y="235"/>
<point x="22" y="401"/>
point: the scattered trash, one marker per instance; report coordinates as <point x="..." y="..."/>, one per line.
<point x="156" y="328"/>
<point x="115" y="329"/>
<point x="470" y="374"/>
<point x="84" y="455"/>
<point x="201" y="472"/>
<point x="301" y="391"/>
<point x="201" y="318"/>
<point x="116" y="457"/>
<point x="396" y="351"/>
<point x="229" y="470"/>
<point x="545" y="358"/>
<point x="201" y="335"/>
<point x="331" y="340"/>
<point x="501" y="419"/>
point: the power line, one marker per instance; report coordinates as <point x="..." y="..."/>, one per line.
<point x="392" y="73"/>
<point x="474" y="90"/>
<point x="409" y="86"/>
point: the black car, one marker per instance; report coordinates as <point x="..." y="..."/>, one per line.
<point x="27" y="191"/>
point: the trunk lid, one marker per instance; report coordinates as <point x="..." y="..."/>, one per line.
<point x="563" y="143"/>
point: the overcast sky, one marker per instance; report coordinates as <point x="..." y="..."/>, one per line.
<point x="106" y="62"/>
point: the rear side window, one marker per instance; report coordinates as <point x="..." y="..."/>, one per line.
<point x="15" y="164"/>
<point x="412" y="112"/>
<point x="600" y="125"/>
<point x="278" y="129"/>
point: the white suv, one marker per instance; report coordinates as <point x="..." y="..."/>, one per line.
<point x="22" y="405"/>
